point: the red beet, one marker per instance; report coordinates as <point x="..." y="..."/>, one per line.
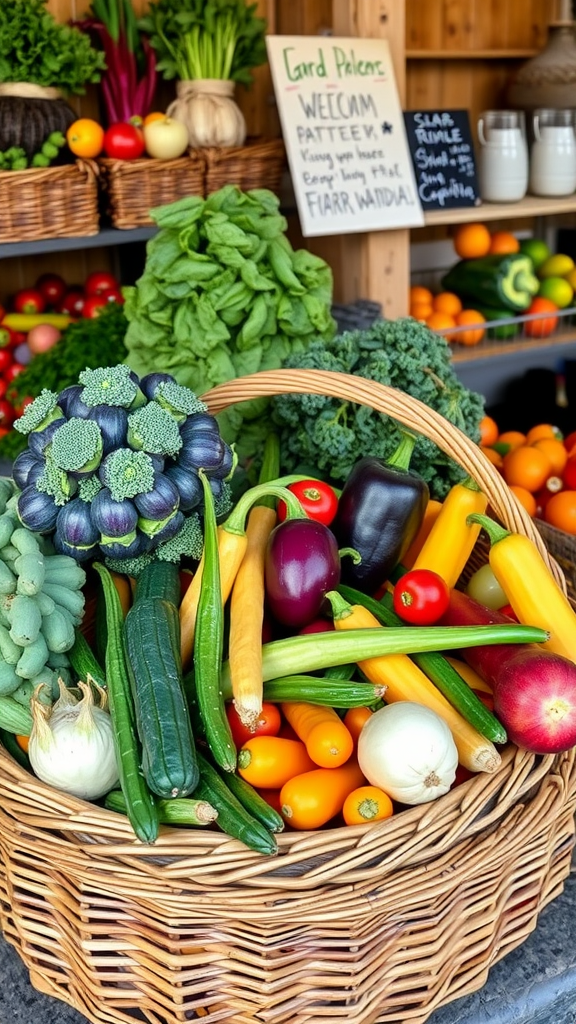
<point x="534" y="689"/>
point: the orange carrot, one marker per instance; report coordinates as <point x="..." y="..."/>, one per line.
<point x="367" y="803"/>
<point x="267" y="762"/>
<point x="354" y="719"/>
<point x="308" y="801"/>
<point x="327" y="739"/>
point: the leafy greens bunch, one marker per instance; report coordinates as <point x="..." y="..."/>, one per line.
<point x="224" y="294"/>
<point x="331" y="435"/>
<point x="34" y="47"/>
<point x="206" y="38"/>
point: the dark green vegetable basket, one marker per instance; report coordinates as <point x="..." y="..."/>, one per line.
<point x="363" y="924"/>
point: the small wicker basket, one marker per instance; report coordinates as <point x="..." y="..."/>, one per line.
<point x="259" y="163"/>
<point x="49" y="202"/>
<point x="133" y="187"/>
<point x="364" y="924"/>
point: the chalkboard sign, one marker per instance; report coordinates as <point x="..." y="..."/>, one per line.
<point x="344" y="133"/>
<point x="443" y="157"/>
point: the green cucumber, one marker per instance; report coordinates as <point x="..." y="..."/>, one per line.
<point x="233" y="818"/>
<point x="252" y="802"/>
<point x="159" y="579"/>
<point x="152" y="642"/>
<point x="327" y="691"/>
<point x="179" y="811"/>
<point x="84" y="661"/>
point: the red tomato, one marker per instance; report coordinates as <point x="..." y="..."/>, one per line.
<point x="569" y="474"/>
<point x="7" y="413"/>
<point x="317" y="498"/>
<point x="3" y="387"/>
<point x="509" y="611"/>
<point x="19" y="409"/>
<point x="268" y="723"/>
<point x="421" y="597"/>
<point x="317" y="626"/>
<point x="52" y="288"/>
<point x="123" y="141"/>
<point x="99" y="281"/>
<point x="29" y="300"/>
<point x="6" y="359"/>
<point x="73" y="302"/>
<point x="113" y="295"/>
<point x="570" y="443"/>
<point x="13" y="370"/>
<point x="93" y="306"/>
<point x="6" y="338"/>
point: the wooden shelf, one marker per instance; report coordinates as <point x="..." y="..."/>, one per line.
<point x="489" y="349"/>
<point x="470" y="54"/>
<point x="105" y="237"/>
<point x="530" y="206"/>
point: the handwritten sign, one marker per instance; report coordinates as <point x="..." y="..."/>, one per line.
<point x="344" y="133"/>
<point x="443" y="156"/>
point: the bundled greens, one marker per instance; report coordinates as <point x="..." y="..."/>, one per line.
<point x="224" y="294"/>
<point x="34" y="47"/>
<point x="330" y="435"/>
<point x="206" y="38"/>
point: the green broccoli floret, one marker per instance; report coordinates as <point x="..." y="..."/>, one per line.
<point x="180" y="401"/>
<point x="188" y="542"/>
<point x="129" y="566"/>
<point x="127" y="473"/>
<point x="88" y="488"/>
<point x="333" y="435"/>
<point x="55" y="481"/>
<point x="77" y="445"/>
<point x="110" y="385"/>
<point x="42" y="411"/>
<point x="153" y="429"/>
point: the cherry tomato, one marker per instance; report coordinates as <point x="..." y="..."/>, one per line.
<point x="13" y="370"/>
<point x="99" y="281"/>
<point x="123" y="141"/>
<point x="52" y="288"/>
<point x="7" y="413"/>
<point x="113" y="295"/>
<point x="93" y="306"/>
<point x="3" y="387"/>
<point x="29" y="300"/>
<point x="73" y="302"/>
<point x="421" y="597"/>
<point x="570" y="443"/>
<point x="317" y="498"/>
<point x="268" y="723"/>
<point x="569" y="474"/>
<point x="6" y="359"/>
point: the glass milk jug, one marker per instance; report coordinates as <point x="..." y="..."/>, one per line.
<point x="503" y="157"/>
<point x="553" y="153"/>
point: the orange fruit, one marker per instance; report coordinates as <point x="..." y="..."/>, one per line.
<point x="441" y="322"/>
<point x="545" y="325"/>
<point x="492" y="455"/>
<point x="488" y="430"/>
<point x="421" y="310"/>
<point x="475" y="334"/>
<point x="447" y="302"/>
<point x="555" y="451"/>
<point x="154" y="115"/>
<point x="503" y="242"/>
<point x="560" y="511"/>
<point x="85" y="138"/>
<point x="512" y="438"/>
<point x="541" y="430"/>
<point x="527" y="467"/>
<point x="526" y="498"/>
<point x="472" y="241"/>
<point x="418" y="294"/>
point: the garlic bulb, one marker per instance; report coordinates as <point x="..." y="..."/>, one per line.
<point x="408" y="751"/>
<point x="71" y="744"/>
<point x="207" y="107"/>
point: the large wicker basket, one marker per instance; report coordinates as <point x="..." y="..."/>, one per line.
<point x="50" y="202"/>
<point x="133" y="187"/>
<point x="375" y="923"/>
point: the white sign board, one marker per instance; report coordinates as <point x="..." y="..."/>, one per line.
<point x="344" y="133"/>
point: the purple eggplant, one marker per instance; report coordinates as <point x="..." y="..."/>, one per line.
<point x="302" y="564"/>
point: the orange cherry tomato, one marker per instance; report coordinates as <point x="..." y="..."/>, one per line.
<point x="268" y="762"/>
<point x="365" y="804"/>
<point x="268" y="724"/>
<point x="85" y="137"/>
<point x="560" y="511"/>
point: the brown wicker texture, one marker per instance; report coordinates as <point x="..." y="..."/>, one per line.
<point x="258" y="164"/>
<point x="563" y="547"/>
<point x="376" y="923"/>
<point x="134" y="187"/>
<point x="49" y="202"/>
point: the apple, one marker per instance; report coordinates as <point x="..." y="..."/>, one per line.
<point x="166" y="138"/>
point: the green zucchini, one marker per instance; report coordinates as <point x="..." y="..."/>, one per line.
<point x="324" y="690"/>
<point x="142" y="813"/>
<point x="159" y="579"/>
<point x="152" y="639"/>
<point x="233" y="818"/>
<point x="252" y="802"/>
<point x="180" y="811"/>
<point x="83" y="660"/>
<point x="438" y="670"/>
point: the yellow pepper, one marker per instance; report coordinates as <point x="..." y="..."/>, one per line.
<point x="26" y="321"/>
<point x="530" y="587"/>
<point x="452" y="538"/>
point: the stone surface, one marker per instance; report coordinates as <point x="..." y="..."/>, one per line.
<point x="535" y="984"/>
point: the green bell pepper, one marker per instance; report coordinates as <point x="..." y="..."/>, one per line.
<point x="503" y="282"/>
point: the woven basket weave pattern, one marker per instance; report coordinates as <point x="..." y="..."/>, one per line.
<point x="375" y="923"/>
<point x="53" y="202"/>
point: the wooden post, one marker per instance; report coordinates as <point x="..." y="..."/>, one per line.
<point x="373" y="265"/>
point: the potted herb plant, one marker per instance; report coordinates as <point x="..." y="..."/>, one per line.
<point x="41" y="63"/>
<point x="208" y="46"/>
